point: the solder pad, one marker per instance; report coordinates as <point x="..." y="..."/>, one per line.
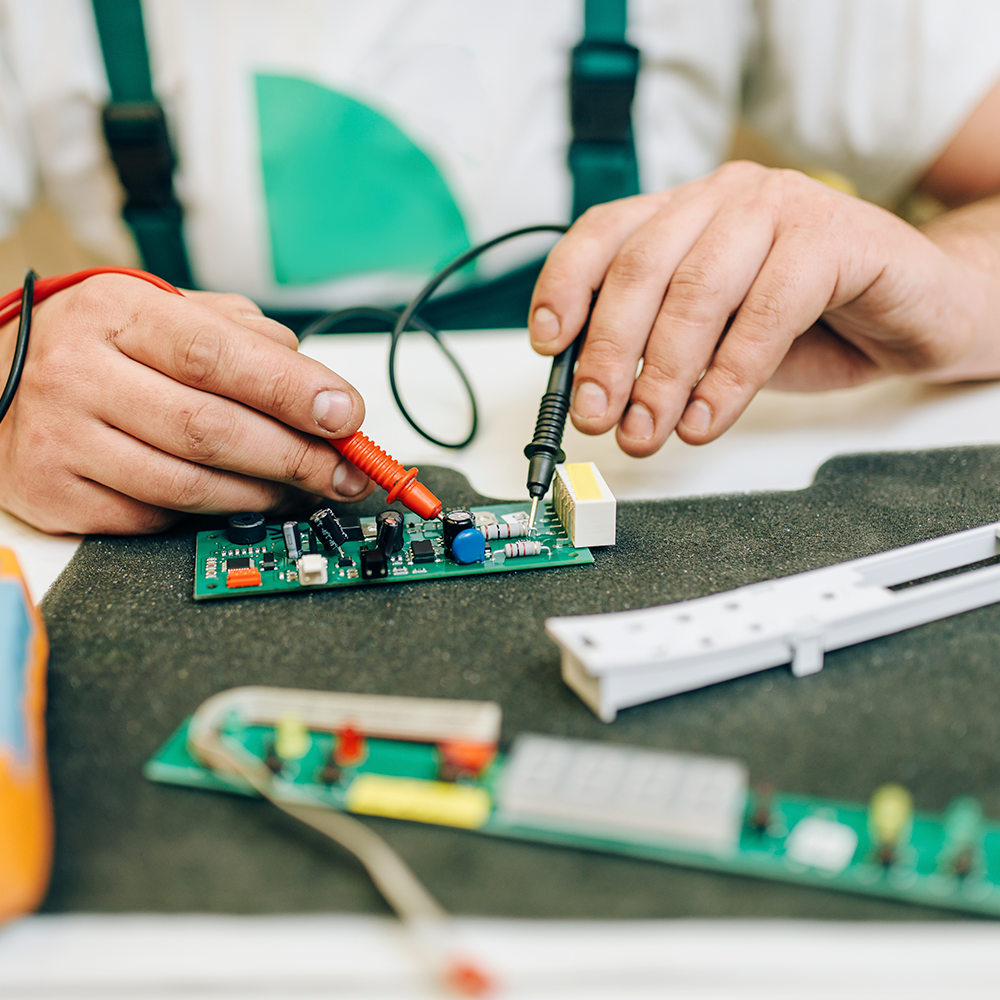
<point x="213" y="550"/>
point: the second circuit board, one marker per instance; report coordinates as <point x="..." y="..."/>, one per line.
<point x="224" y="568"/>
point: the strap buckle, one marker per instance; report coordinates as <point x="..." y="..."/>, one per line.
<point x="602" y="85"/>
<point x="136" y="132"/>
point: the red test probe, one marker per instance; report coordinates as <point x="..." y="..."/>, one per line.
<point x="399" y="483"/>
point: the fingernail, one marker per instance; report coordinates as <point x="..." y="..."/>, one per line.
<point x="544" y="326"/>
<point x="638" y="423"/>
<point x="589" y="401"/>
<point x="332" y="409"/>
<point x="348" y="479"/>
<point x="697" y="416"/>
<point x="251" y="314"/>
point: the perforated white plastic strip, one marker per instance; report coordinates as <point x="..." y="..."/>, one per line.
<point x="626" y="658"/>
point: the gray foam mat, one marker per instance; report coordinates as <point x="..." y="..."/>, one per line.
<point x="132" y="654"/>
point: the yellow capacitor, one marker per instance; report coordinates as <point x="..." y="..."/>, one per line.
<point x="291" y="738"/>
<point x="25" y="800"/>
<point x="890" y="810"/>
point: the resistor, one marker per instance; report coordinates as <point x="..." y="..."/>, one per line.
<point x="495" y="531"/>
<point x="512" y="550"/>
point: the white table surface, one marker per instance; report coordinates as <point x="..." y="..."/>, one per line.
<point x="778" y="444"/>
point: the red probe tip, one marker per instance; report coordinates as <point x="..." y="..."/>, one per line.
<point x="399" y="483"/>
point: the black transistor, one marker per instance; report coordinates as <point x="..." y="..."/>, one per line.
<point x="373" y="564"/>
<point x="352" y="527"/>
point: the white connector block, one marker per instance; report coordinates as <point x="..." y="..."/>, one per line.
<point x="312" y="569"/>
<point x="584" y="504"/>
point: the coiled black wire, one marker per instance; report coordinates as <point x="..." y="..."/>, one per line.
<point x="405" y="319"/>
<point x="21" y="344"/>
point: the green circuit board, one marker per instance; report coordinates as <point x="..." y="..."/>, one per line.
<point x="223" y="569"/>
<point x="940" y="860"/>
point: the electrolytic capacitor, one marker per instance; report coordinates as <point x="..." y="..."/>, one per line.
<point x="328" y="528"/>
<point x="494" y="531"/>
<point x="531" y="547"/>
<point x="389" y="531"/>
<point x="456" y="521"/>
<point x="293" y="540"/>
<point x="247" y="528"/>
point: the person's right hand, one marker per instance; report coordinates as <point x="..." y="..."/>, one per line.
<point x="137" y="406"/>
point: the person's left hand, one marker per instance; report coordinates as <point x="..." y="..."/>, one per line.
<point x="746" y="278"/>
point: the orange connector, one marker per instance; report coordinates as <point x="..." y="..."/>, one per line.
<point x="25" y="799"/>
<point x="399" y="483"/>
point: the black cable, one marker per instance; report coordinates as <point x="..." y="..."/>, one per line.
<point x="21" y="344"/>
<point x="401" y="321"/>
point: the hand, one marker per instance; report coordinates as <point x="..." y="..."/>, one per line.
<point x="746" y="278"/>
<point x="137" y="406"/>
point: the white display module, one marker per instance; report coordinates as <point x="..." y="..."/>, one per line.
<point x="626" y="658"/>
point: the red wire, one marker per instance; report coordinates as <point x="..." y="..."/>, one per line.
<point x="358" y="448"/>
<point x="10" y="304"/>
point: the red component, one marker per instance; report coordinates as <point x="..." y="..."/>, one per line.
<point x="350" y="747"/>
<point x="468" y="758"/>
<point x="243" y="577"/>
<point x="389" y="474"/>
<point x="466" y="979"/>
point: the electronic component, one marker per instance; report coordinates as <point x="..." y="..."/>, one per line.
<point x="312" y="569"/>
<point x="328" y="529"/>
<point x="247" y="528"/>
<point x="389" y="531"/>
<point x="422" y="558"/>
<point x="584" y="504"/>
<point x="492" y="532"/>
<point x="695" y="801"/>
<point x="626" y="658"/>
<point x="350" y="747"/>
<point x="351" y="524"/>
<point x="673" y="808"/>
<point x="468" y="547"/>
<point x="422" y="550"/>
<point x="291" y="738"/>
<point x="293" y="539"/>
<point x="373" y="564"/>
<point x="456" y="521"/>
<point x="890" y="813"/>
<point x="525" y="547"/>
<point x="237" y="578"/>
<point x="238" y="562"/>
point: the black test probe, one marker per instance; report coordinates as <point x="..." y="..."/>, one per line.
<point x="545" y="450"/>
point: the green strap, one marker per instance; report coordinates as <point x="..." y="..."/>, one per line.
<point x="136" y="133"/>
<point x="604" y="68"/>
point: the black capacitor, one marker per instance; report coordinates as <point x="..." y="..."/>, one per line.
<point x="247" y="528"/>
<point x="328" y="528"/>
<point x="293" y="540"/>
<point x="454" y="522"/>
<point x="389" y="531"/>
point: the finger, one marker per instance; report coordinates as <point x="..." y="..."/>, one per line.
<point x="705" y="289"/>
<point x="626" y="312"/>
<point x="576" y="266"/>
<point x="212" y="430"/>
<point x="784" y="301"/>
<point x="135" y="469"/>
<point x="194" y="345"/>
<point x="247" y="313"/>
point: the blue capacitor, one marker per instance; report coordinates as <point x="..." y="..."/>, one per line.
<point x="468" y="546"/>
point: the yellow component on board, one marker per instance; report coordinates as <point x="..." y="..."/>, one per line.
<point x="291" y="738"/>
<point x="25" y="799"/>
<point x="890" y="810"/>
<point x="439" y="802"/>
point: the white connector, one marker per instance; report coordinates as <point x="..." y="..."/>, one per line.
<point x="584" y="504"/>
<point x="312" y="569"/>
